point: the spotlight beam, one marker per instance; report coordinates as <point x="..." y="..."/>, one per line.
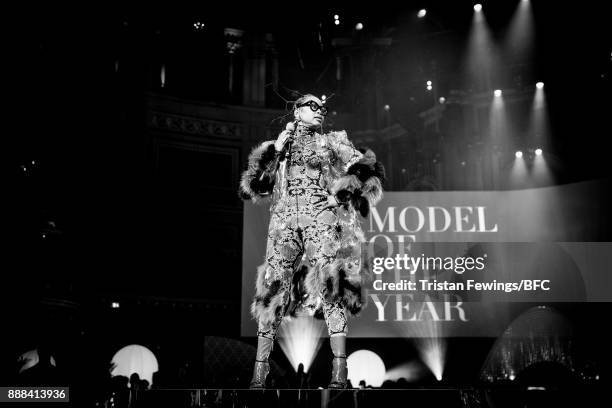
<point x="300" y="339"/>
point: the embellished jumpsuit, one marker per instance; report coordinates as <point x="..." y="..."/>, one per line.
<point x="300" y="225"/>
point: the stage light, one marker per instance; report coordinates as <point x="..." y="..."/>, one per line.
<point x="359" y="27"/>
<point x="538" y="152"/>
<point x="540" y="85"/>
<point x="518" y="154"/>
<point x="366" y="365"/>
<point x="428" y="83"/>
<point x="477" y="7"/>
<point x="422" y="13"/>
<point x="337" y="22"/>
<point x="135" y="359"/>
<point x="429" y="87"/>
<point x="44" y="236"/>
<point x="442" y="99"/>
<point x="497" y="92"/>
<point x="323" y="98"/>
<point x="387" y="107"/>
<point x="33" y="163"/>
<point x="463" y="163"/>
<point x="198" y="26"/>
<point x="115" y="305"/>
<point x="300" y="339"/>
<point x="336" y="17"/>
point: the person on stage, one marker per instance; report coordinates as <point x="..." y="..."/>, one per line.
<point x="319" y="185"/>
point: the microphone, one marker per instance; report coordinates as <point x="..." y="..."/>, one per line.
<point x="291" y="127"/>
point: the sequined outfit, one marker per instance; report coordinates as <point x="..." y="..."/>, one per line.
<point x="300" y="226"/>
<point x="302" y="231"/>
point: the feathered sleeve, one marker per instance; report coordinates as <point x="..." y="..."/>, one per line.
<point x="361" y="182"/>
<point x="258" y="179"/>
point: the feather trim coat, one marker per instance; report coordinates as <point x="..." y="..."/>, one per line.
<point x="356" y="178"/>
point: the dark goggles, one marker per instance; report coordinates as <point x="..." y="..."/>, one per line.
<point x="315" y="107"/>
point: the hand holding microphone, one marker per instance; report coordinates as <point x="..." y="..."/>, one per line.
<point x="285" y="137"/>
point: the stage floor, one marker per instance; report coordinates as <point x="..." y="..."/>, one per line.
<point x="426" y="397"/>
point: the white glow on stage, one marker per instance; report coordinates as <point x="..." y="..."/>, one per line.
<point x="366" y="365"/>
<point x="540" y="85"/>
<point x="538" y="152"/>
<point x="518" y="154"/>
<point x="432" y="351"/>
<point x="300" y="339"/>
<point x="428" y="338"/>
<point x="478" y="7"/>
<point x="422" y="13"/>
<point x="135" y="359"/>
<point x="411" y="371"/>
<point x="497" y="93"/>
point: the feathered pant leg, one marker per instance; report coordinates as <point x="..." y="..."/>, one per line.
<point x="321" y="242"/>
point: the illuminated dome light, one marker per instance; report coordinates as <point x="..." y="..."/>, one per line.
<point x="518" y="154"/>
<point x="540" y="85"/>
<point x="135" y="359"/>
<point x="477" y="7"/>
<point x="422" y="13"/>
<point x="538" y="152"/>
<point x="442" y="99"/>
<point x="366" y="365"/>
<point x="359" y="27"/>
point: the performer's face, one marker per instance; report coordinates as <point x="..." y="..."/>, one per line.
<point x="309" y="117"/>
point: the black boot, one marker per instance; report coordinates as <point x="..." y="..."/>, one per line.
<point x="262" y="366"/>
<point x="339" y="368"/>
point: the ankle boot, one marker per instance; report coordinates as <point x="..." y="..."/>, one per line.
<point x="262" y="366"/>
<point x="339" y="367"/>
